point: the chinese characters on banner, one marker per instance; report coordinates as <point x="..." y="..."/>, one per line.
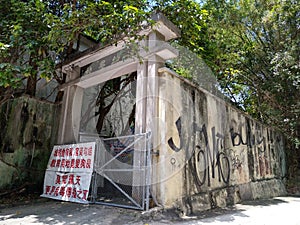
<point x="69" y="172"/>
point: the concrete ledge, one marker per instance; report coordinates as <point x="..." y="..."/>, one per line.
<point x="267" y="188"/>
<point x="232" y="195"/>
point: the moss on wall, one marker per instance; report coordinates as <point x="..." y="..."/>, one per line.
<point x="28" y="133"/>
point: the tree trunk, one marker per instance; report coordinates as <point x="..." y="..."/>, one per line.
<point x="31" y="85"/>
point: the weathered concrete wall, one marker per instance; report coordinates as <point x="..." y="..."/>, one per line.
<point x="28" y="133"/>
<point x="210" y="153"/>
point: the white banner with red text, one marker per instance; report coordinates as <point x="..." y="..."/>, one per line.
<point x="69" y="172"/>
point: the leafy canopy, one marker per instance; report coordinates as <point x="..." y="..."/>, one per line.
<point x="37" y="34"/>
<point x="252" y="46"/>
<point x="254" y="51"/>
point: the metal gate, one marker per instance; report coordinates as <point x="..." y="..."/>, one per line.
<point x="122" y="171"/>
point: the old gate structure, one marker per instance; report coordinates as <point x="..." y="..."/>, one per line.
<point x="162" y="139"/>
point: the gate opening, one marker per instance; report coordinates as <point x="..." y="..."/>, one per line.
<point x="108" y="108"/>
<point x="118" y="179"/>
<point x="122" y="159"/>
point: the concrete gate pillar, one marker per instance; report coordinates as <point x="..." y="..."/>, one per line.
<point x="71" y="109"/>
<point x="147" y="115"/>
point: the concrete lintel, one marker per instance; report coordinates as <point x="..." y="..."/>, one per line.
<point x="165" y="51"/>
<point x="165" y="27"/>
<point x="94" y="56"/>
<point x="108" y="73"/>
<point x="99" y="76"/>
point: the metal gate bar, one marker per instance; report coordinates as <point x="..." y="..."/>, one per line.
<point x="124" y="193"/>
<point x="149" y="166"/>
<point x="143" y="169"/>
<point x="120" y="153"/>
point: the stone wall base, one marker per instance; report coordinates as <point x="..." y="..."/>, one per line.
<point x="232" y="195"/>
<point x="28" y="132"/>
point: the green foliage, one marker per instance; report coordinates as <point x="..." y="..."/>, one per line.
<point x="105" y="21"/>
<point x="7" y="75"/>
<point x="254" y="47"/>
<point x="251" y="46"/>
<point x="190" y="18"/>
<point x="37" y="34"/>
<point x="22" y="48"/>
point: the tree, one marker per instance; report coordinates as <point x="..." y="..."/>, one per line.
<point x="193" y="45"/>
<point x="251" y="45"/>
<point x="35" y="35"/>
<point x="190" y="18"/>
<point x="22" y="47"/>
<point x="254" y="48"/>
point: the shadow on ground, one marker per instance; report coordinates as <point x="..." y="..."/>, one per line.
<point x="264" y="202"/>
<point x="46" y="211"/>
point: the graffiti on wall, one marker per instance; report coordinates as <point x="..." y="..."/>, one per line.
<point x="215" y="161"/>
<point x="260" y="144"/>
<point x="211" y="160"/>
